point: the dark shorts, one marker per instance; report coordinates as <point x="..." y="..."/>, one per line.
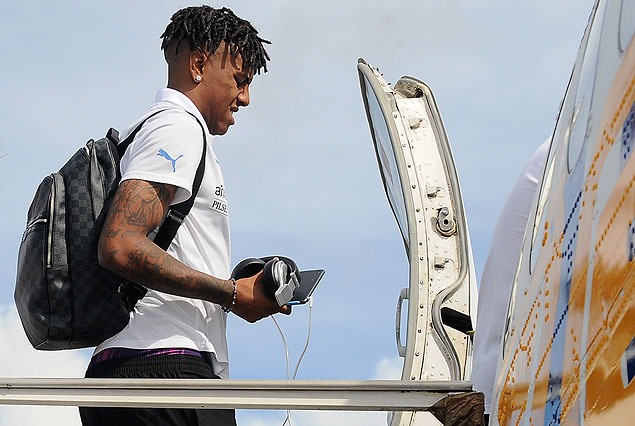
<point x="154" y="367"/>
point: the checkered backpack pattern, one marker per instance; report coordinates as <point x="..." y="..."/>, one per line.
<point x="65" y="299"/>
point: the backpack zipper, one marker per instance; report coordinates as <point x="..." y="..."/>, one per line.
<point x="35" y="222"/>
<point x="50" y="233"/>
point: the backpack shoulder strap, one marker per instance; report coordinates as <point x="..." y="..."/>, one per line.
<point x="176" y="214"/>
<point x="123" y="145"/>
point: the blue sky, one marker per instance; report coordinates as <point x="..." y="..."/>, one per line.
<point x="299" y="165"/>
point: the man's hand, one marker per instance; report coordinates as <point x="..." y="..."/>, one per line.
<point x="252" y="303"/>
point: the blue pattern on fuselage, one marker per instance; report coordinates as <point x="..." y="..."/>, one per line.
<point x="572" y="203"/>
<point x="628" y="137"/>
<point x="630" y="241"/>
<point x="629" y="355"/>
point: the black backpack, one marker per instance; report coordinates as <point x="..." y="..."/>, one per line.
<point x="64" y="298"/>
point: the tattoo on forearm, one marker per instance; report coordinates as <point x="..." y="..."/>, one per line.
<point x="153" y="267"/>
<point x="137" y="209"/>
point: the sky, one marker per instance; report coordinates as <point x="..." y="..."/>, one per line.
<point x="299" y="165"/>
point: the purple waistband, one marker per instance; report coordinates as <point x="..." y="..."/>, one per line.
<point x="118" y="353"/>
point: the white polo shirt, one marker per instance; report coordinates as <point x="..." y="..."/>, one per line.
<point x="168" y="149"/>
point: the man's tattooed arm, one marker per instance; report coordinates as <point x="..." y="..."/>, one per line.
<point x="138" y="208"/>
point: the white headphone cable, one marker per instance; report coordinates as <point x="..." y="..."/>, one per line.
<point x="286" y="351"/>
<point x="284" y="341"/>
<point x="308" y="336"/>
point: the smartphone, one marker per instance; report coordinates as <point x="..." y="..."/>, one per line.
<point x="308" y="281"/>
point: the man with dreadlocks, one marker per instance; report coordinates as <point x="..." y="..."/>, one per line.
<point x="177" y="330"/>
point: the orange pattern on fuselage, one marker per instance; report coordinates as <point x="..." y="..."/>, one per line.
<point x="611" y="325"/>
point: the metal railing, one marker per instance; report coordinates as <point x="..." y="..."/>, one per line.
<point x="363" y="395"/>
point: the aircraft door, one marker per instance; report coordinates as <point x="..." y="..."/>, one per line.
<point x="420" y="181"/>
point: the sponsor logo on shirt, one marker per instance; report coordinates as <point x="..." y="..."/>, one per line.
<point x="164" y="154"/>
<point x="219" y="204"/>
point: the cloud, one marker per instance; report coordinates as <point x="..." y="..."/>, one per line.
<point x="33" y="415"/>
<point x="19" y="359"/>
<point x="24" y="361"/>
<point x="389" y="369"/>
<point x="339" y="418"/>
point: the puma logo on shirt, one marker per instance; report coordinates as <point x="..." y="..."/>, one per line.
<point x="165" y="155"/>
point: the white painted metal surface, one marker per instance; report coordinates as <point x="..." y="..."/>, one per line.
<point x="422" y="187"/>
<point x="377" y="395"/>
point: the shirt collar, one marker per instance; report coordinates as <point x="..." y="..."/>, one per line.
<point x="175" y="97"/>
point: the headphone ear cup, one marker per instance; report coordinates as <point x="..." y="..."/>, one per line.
<point x="292" y="267"/>
<point x="269" y="281"/>
<point x="247" y="268"/>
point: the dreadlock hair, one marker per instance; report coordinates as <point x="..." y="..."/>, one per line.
<point x="205" y="28"/>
